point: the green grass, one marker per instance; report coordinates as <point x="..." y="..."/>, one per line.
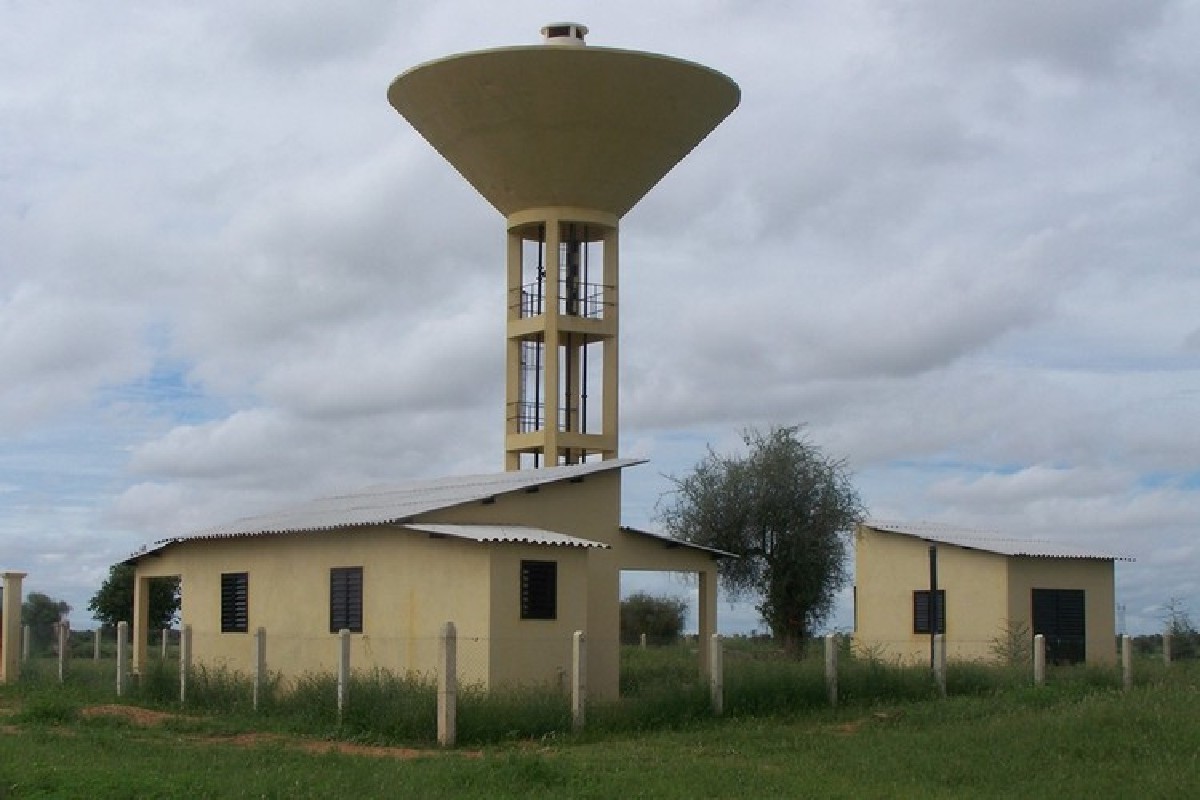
<point x="1075" y="741"/>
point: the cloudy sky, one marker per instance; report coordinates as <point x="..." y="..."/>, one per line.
<point x="958" y="240"/>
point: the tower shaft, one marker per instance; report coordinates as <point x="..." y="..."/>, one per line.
<point x="561" y="362"/>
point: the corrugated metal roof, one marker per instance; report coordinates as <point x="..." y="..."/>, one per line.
<point x="670" y="541"/>
<point x="391" y="504"/>
<point x="520" y="534"/>
<point x="989" y="541"/>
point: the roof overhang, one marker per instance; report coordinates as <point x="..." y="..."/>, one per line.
<point x="670" y="542"/>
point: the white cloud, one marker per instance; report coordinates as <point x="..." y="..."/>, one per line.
<point x="956" y="239"/>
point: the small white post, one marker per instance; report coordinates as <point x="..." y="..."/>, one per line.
<point x="642" y="641"/>
<point x="185" y="660"/>
<point x="939" y="662"/>
<point x="447" y="708"/>
<point x="1127" y="661"/>
<point x="343" y="673"/>
<point x="1039" y="660"/>
<point x="831" y="668"/>
<point x="578" y="680"/>
<point x="26" y="642"/>
<point x="716" y="674"/>
<point x="64" y="649"/>
<point x="122" y="656"/>
<point x="96" y="643"/>
<point x="164" y="644"/>
<point x="260" y="663"/>
<point x="1167" y="648"/>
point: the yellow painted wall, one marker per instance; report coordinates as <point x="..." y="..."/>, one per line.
<point x="987" y="595"/>
<point x="413" y="583"/>
<point x="535" y="651"/>
<point x="889" y="568"/>
<point x="1094" y="576"/>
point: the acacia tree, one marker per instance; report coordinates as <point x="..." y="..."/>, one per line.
<point x="113" y="602"/>
<point x="784" y="507"/>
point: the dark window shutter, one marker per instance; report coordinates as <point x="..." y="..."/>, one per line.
<point x="921" y="611"/>
<point x="539" y="590"/>
<point x="1060" y="615"/>
<point x="346" y="599"/>
<point x="235" y="602"/>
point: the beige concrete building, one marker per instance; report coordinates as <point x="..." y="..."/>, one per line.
<point x="990" y="588"/>
<point x="517" y="560"/>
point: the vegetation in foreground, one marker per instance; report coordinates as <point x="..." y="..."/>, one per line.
<point x="994" y="737"/>
<point x="1021" y="742"/>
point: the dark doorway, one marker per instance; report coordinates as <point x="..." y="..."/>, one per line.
<point x="1059" y="615"/>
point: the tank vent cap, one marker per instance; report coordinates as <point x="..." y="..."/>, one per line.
<point x="564" y="33"/>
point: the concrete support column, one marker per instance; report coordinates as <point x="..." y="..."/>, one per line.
<point x="512" y="346"/>
<point x="578" y="680"/>
<point x="831" y="668"/>
<point x="10" y="627"/>
<point x="707" y="615"/>
<point x="64" y="649"/>
<point x="1039" y="660"/>
<point x="122" y="656"/>
<point x="26" y="642"/>
<point x="611" y="362"/>
<point x="716" y="675"/>
<point x="551" y="376"/>
<point x="447" y="708"/>
<point x="939" y="662"/>
<point x="1126" y="661"/>
<point x="260" y="664"/>
<point x="343" y="671"/>
<point x="185" y="660"/>
<point x="141" y="622"/>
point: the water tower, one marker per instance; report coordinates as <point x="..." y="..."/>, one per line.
<point x="563" y="139"/>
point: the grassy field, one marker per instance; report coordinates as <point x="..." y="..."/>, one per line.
<point x="1080" y="737"/>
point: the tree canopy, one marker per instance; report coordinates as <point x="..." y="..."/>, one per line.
<point x="660" y="618"/>
<point x="784" y="507"/>
<point x="41" y="612"/>
<point x="113" y="602"/>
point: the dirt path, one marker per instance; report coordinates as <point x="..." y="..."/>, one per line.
<point x="148" y="718"/>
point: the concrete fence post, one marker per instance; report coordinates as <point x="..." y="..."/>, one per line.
<point x="64" y="649"/>
<point x="260" y="664"/>
<point x="1126" y="661"/>
<point x="122" y="656"/>
<point x="939" y="662"/>
<point x="1167" y="649"/>
<point x="343" y="672"/>
<point x="447" y="708"/>
<point x="26" y="642"/>
<point x="642" y="641"/>
<point x="716" y="674"/>
<point x="96" y="643"/>
<point x="831" y="668"/>
<point x="185" y="661"/>
<point x="578" y="680"/>
<point x="164" y="644"/>
<point x="1039" y="660"/>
